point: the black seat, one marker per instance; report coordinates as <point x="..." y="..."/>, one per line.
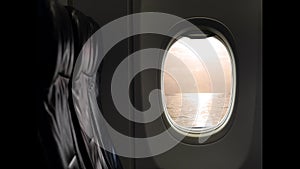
<point x="62" y="31"/>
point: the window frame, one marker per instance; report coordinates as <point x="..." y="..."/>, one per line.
<point x="210" y="28"/>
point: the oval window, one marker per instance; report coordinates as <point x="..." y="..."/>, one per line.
<point x="198" y="84"/>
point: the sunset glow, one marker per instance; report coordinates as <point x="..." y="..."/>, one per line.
<point x="197" y="81"/>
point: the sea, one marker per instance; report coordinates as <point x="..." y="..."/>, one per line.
<point x="197" y="109"/>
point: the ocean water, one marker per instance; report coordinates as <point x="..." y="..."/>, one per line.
<point x="197" y="109"/>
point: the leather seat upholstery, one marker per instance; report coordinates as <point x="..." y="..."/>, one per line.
<point x="61" y="33"/>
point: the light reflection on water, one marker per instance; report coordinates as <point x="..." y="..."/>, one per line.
<point x="210" y="108"/>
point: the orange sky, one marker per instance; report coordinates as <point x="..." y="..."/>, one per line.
<point x="196" y="72"/>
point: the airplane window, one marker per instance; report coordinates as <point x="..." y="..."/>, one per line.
<point x="198" y="83"/>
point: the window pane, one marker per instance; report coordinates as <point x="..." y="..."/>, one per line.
<point x="198" y="83"/>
